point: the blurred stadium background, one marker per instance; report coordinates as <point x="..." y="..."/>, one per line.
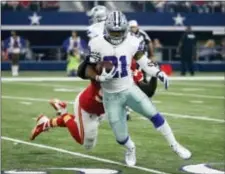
<point x="195" y="110"/>
<point x="45" y="26"/>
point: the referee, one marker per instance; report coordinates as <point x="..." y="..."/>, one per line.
<point x="143" y="37"/>
<point x="187" y="50"/>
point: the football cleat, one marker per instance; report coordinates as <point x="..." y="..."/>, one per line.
<point x="181" y="151"/>
<point x="130" y="157"/>
<point x="41" y="126"/>
<point x="59" y="106"/>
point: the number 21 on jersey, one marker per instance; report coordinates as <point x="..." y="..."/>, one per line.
<point x="120" y="63"/>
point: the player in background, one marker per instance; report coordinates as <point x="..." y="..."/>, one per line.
<point x="98" y="16"/>
<point x="148" y="46"/>
<point x="142" y="37"/>
<point x="120" y="91"/>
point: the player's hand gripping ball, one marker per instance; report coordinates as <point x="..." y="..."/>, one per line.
<point x="104" y="64"/>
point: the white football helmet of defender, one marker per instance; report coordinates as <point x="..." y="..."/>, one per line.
<point x="98" y="13"/>
<point x="98" y="16"/>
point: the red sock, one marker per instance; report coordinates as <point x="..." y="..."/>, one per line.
<point x="72" y="127"/>
<point x="57" y="122"/>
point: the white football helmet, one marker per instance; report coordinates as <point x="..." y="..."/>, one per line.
<point x="98" y="13"/>
<point x="116" y="27"/>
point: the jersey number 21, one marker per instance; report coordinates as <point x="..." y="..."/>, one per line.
<point x="123" y="65"/>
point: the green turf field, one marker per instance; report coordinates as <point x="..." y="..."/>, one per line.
<point x="194" y="109"/>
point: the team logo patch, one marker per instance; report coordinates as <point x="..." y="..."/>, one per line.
<point x="201" y="169"/>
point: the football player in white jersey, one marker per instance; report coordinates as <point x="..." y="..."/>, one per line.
<point x="118" y="87"/>
<point x="98" y="16"/>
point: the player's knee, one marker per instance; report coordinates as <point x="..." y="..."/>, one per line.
<point x="157" y="120"/>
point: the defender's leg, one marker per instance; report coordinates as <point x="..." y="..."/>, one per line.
<point x="91" y="124"/>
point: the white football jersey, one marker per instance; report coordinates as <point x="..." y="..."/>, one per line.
<point x="96" y="29"/>
<point x="120" y="55"/>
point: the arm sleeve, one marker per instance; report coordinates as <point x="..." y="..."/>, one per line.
<point x="82" y="68"/>
<point x="92" y="59"/>
<point x="147" y="66"/>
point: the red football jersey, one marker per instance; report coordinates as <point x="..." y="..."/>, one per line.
<point x="91" y="99"/>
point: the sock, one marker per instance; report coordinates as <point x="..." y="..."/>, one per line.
<point x="163" y="127"/>
<point x="57" y="122"/>
<point x="72" y="127"/>
<point x="128" y="143"/>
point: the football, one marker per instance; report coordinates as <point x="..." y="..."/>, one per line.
<point x="106" y="64"/>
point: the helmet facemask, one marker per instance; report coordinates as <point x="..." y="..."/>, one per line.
<point x="116" y="30"/>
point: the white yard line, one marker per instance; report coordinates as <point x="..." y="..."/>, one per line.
<point x="81" y="155"/>
<point x="38" y="79"/>
<point x="188" y="117"/>
<point x="193" y="117"/>
<point x="48" y="84"/>
<point x="190" y="95"/>
<point x="26" y="103"/>
<point x="205" y="85"/>
<point x="204" y="118"/>
<point x="192" y="89"/>
<point x="196" y="101"/>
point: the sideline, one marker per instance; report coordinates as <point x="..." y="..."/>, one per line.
<point x="81" y="155"/>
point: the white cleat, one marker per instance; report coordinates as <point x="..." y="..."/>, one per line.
<point x="130" y="157"/>
<point x="41" y="126"/>
<point x="59" y="106"/>
<point x="181" y="151"/>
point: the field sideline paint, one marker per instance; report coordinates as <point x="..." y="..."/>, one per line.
<point x="81" y="155"/>
<point x="204" y="118"/>
<point x="70" y="79"/>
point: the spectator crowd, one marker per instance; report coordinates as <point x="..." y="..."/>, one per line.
<point x="30" y="5"/>
<point x="179" y="6"/>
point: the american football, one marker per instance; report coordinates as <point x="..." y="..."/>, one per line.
<point x="104" y="64"/>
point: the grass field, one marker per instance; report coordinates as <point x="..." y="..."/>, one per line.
<point x="194" y="109"/>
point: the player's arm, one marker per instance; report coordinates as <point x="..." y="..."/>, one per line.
<point x="83" y="68"/>
<point x="149" y="67"/>
<point x="86" y="69"/>
<point x="146" y="64"/>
